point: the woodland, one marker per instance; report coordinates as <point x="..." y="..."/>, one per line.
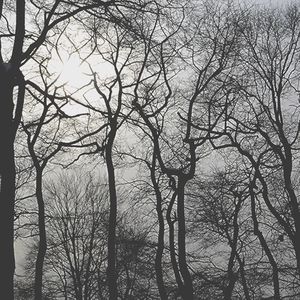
<point x="149" y="150"/>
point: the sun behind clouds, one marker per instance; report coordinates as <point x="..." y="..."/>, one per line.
<point x="73" y="72"/>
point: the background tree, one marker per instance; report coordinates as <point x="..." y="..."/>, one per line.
<point x="76" y="260"/>
<point x="261" y="119"/>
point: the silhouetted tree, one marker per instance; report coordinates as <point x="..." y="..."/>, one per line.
<point x="258" y="118"/>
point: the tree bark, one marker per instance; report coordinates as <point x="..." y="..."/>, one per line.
<point x="160" y="238"/>
<point x="7" y="194"/>
<point x="10" y="76"/>
<point x="187" y="289"/>
<point x="287" y="173"/>
<point x="38" y="284"/>
<point x="111" y="244"/>
<point x="7" y="198"/>
<point x="172" y="242"/>
<point x="159" y="252"/>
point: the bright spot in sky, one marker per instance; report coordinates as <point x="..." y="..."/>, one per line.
<point x="73" y="72"/>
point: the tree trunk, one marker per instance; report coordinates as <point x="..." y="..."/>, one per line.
<point x="7" y="194"/>
<point x="10" y="76"/>
<point x="38" y="284"/>
<point x="265" y="247"/>
<point x="230" y="272"/>
<point x="287" y="171"/>
<point x="233" y="242"/>
<point x="160" y="238"/>
<point x="159" y="252"/>
<point x="243" y="278"/>
<point x="111" y="244"/>
<point x="172" y="242"/>
<point x="7" y="198"/>
<point x="187" y="290"/>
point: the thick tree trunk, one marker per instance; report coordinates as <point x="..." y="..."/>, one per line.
<point x="7" y="198"/>
<point x="287" y="171"/>
<point x="172" y="242"/>
<point x="111" y="244"/>
<point x="7" y="193"/>
<point x="10" y="76"/>
<point x="159" y="252"/>
<point x="187" y="289"/>
<point x="38" y="284"/>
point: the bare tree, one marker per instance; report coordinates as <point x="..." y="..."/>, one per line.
<point x="220" y="218"/>
<point x="184" y="143"/>
<point x="13" y="55"/>
<point x="44" y="131"/>
<point x="77" y="224"/>
<point x="120" y="50"/>
<point x="24" y="42"/>
<point x="259" y="119"/>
